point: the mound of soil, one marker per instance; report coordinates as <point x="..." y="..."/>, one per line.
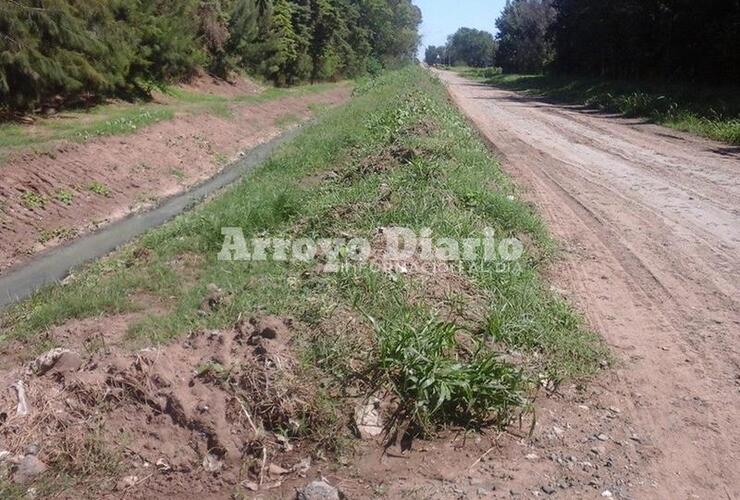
<point x="238" y="85"/>
<point x="217" y="411"/>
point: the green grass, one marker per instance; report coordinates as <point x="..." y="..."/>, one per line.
<point x="113" y="119"/>
<point x="32" y="199"/>
<point x="287" y="120"/>
<point x="99" y="188"/>
<point x="712" y="112"/>
<point x="401" y="156"/>
<point x="64" y="196"/>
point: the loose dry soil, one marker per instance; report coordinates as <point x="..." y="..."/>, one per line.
<point x="649" y="222"/>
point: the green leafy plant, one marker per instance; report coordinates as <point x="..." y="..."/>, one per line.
<point x="438" y="379"/>
<point x="64" y="196"/>
<point x="99" y="188"/>
<point x="62" y="233"/>
<point x="32" y="199"/>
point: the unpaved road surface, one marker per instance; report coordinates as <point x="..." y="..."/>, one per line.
<point x="649" y="220"/>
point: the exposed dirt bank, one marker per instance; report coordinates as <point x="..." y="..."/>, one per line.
<point x="48" y="198"/>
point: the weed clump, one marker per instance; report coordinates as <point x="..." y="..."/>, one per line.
<point x="438" y="379"/>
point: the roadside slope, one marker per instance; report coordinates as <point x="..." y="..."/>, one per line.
<point x="49" y="197"/>
<point x="390" y="376"/>
<point x="652" y="255"/>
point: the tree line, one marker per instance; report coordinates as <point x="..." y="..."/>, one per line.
<point x="683" y="39"/>
<point x="68" y="50"/>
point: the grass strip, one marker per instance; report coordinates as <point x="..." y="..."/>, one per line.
<point x="467" y="349"/>
<point x="708" y="111"/>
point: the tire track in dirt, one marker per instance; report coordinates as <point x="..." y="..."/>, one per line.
<point x="649" y="223"/>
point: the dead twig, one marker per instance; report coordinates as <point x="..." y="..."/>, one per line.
<point x="23" y="408"/>
<point x="264" y="462"/>
<point x="481" y="458"/>
<point x="249" y="418"/>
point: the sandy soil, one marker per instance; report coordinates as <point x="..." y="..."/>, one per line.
<point x="649" y="222"/>
<point x="138" y="170"/>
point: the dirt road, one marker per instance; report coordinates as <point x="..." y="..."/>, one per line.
<point x="650" y="224"/>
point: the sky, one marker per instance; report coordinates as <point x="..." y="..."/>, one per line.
<point x="443" y="17"/>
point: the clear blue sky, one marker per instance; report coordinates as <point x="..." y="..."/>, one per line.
<point x="443" y="17"/>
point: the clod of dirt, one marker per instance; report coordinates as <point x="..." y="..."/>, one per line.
<point x="28" y="469"/>
<point x="368" y="420"/>
<point x="270" y="327"/>
<point x="57" y="361"/>
<point x="276" y="471"/>
<point x="319" y="490"/>
<point x="215" y="298"/>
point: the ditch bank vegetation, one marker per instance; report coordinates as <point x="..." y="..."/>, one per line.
<point x="67" y="176"/>
<point x="176" y="373"/>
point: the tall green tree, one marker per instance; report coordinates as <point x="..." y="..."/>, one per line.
<point x="683" y="39"/>
<point x="66" y="50"/>
<point x="472" y="47"/>
<point x="523" y="42"/>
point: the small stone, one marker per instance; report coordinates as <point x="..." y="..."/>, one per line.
<point x="251" y="485"/>
<point x="482" y="492"/>
<point x="598" y="450"/>
<point x="606" y="494"/>
<point x="33" y="449"/>
<point x="302" y="467"/>
<point x="532" y="456"/>
<point x="368" y="420"/>
<point x="602" y="437"/>
<point x="126" y="483"/>
<point x="276" y="470"/>
<point x="549" y="490"/>
<point x="318" y="490"/>
<point x="211" y="463"/>
<point x="59" y="360"/>
<point x="558" y="431"/>
<point x="28" y="468"/>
